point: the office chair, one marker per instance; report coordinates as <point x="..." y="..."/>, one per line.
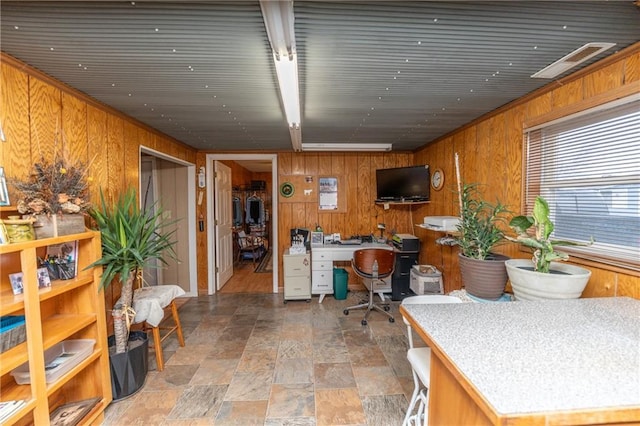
<point x="373" y="265"/>
<point x="420" y="360"/>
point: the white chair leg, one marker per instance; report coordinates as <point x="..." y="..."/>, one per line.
<point x="423" y="408"/>
<point x="412" y="404"/>
<point x="409" y="418"/>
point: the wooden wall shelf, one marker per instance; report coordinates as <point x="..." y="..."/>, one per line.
<point x="402" y="203"/>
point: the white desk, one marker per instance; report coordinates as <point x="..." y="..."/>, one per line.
<point x="322" y="258"/>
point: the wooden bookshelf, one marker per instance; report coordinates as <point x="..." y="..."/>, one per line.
<point x="68" y="309"/>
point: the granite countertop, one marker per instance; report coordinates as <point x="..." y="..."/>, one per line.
<point x="527" y="357"/>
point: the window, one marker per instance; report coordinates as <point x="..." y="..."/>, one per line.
<point x="587" y="166"/>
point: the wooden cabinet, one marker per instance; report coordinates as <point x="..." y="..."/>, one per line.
<point x="297" y="276"/>
<point x="67" y="310"/>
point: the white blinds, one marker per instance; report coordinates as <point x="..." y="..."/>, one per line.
<point x="587" y="166"/>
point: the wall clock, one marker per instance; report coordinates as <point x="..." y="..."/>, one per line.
<point x="437" y="179"/>
<point x="286" y="189"/>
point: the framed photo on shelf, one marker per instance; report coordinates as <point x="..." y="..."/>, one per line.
<point x="16" y="282"/>
<point x="317" y="238"/>
<point x="4" y="192"/>
<point x="3" y="234"/>
<point x="71" y="414"/>
<point x="43" y="278"/>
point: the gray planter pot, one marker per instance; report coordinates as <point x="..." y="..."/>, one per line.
<point x="485" y="279"/>
<point x="129" y="369"/>
<point x="565" y="281"/>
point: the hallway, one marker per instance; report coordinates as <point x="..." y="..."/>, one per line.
<point x="250" y="359"/>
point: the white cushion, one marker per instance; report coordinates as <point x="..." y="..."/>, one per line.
<point x="420" y="360"/>
<point x="149" y="302"/>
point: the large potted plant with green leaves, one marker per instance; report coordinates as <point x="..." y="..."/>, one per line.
<point x="132" y="239"/>
<point x="543" y="277"/>
<point x="478" y="233"/>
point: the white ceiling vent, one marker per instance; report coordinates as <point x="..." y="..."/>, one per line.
<point x="574" y="58"/>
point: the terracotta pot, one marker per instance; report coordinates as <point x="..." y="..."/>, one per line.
<point x="565" y="281"/>
<point x="485" y="279"/>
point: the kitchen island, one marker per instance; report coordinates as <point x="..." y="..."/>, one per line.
<point x="532" y="363"/>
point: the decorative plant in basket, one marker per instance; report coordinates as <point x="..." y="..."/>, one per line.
<point x="53" y="190"/>
<point x="132" y="239"/>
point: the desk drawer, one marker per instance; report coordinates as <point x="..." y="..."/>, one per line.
<point x="322" y="266"/>
<point x="320" y="255"/>
<point x="343" y="255"/>
<point x="322" y="282"/>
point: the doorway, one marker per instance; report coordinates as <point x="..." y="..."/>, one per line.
<point x="271" y="227"/>
<point x="164" y="181"/>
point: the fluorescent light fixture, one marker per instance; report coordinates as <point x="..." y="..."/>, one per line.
<point x="296" y="138"/>
<point x="571" y="60"/>
<point x="278" y="20"/>
<point x="287" y="71"/>
<point x="359" y="147"/>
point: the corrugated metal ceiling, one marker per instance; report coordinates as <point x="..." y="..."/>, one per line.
<point x="393" y="72"/>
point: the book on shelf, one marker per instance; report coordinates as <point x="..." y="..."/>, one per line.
<point x="7" y="408"/>
<point x="72" y="413"/>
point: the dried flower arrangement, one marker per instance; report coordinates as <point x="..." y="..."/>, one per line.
<point x="54" y="187"/>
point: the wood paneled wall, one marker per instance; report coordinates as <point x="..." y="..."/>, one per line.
<point x="34" y="108"/>
<point x="490" y="153"/>
<point x="36" y="111"/>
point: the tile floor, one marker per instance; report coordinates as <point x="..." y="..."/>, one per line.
<point x="250" y="359"/>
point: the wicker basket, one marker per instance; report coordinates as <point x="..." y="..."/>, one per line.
<point x="12" y="331"/>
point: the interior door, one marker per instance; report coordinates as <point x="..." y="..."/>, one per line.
<point x="223" y="222"/>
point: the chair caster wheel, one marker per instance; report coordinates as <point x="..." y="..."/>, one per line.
<point x="364" y="322"/>
<point x="392" y="320"/>
<point x="386" y="308"/>
<point x="346" y="312"/>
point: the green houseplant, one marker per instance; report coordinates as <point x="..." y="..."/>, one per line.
<point x="132" y="239"/>
<point x="478" y="233"/>
<point x="543" y="277"/>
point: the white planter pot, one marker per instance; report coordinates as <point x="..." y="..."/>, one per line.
<point x="528" y="284"/>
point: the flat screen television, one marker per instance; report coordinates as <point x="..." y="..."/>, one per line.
<point x="403" y="184"/>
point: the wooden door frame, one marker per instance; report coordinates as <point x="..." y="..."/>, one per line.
<point x="210" y="158"/>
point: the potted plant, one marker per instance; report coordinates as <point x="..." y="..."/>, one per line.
<point x="478" y="233"/>
<point x="543" y="277"/>
<point x="132" y="239"/>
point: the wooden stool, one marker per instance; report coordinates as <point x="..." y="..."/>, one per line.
<point x="149" y="304"/>
<point x="158" y="339"/>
